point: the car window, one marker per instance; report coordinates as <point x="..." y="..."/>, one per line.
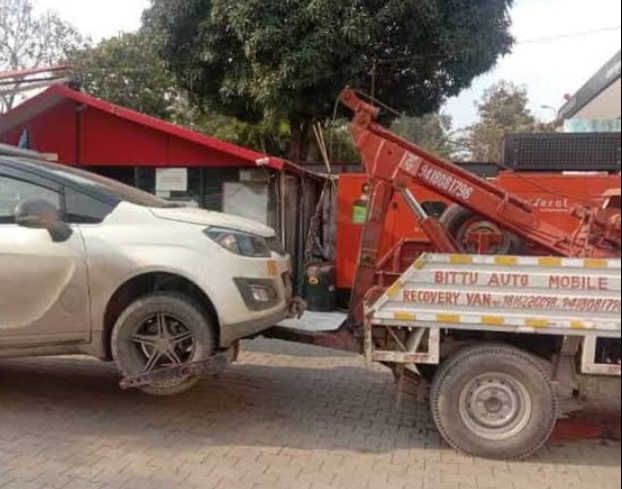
<point x="105" y="185"/>
<point x="82" y="209"/>
<point x="14" y="191"/>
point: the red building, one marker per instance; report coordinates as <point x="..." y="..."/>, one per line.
<point x="166" y="159"/>
<point x="128" y="146"/>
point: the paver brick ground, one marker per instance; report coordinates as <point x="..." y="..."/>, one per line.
<point x="285" y="417"/>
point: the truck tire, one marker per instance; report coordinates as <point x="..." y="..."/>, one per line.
<point x="494" y="401"/>
<point x="459" y="221"/>
<point x="162" y="330"/>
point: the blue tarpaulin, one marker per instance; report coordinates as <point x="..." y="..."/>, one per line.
<point x="24" y="140"/>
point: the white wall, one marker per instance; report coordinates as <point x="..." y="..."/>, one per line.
<point x="605" y="106"/>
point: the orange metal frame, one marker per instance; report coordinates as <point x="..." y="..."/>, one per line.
<point x="393" y="164"/>
<point x="552" y="195"/>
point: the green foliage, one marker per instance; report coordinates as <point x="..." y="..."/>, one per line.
<point x="29" y="40"/>
<point x="503" y="110"/>
<point x="431" y="132"/>
<point x="289" y="59"/>
<point x="270" y="137"/>
<point x="339" y="143"/>
<point x="127" y="71"/>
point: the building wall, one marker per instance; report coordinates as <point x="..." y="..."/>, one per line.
<point x="53" y="131"/>
<point x="606" y="106"/>
<point x="598" y="98"/>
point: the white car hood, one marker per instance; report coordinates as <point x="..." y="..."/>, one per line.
<point x="213" y="219"/>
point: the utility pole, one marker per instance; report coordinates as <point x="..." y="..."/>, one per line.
<point x="374" y="70"/>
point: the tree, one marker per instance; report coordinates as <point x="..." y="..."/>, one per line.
<point x="289" y="59"/>
<point x="503" y="110"/>
<point x="28" y="40"/>
<point x="127" y="71"/>
<point x="431" y="132"/>
<point x="268" y="136"/>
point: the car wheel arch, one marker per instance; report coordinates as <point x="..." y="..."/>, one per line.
<point x="146" y="283"/>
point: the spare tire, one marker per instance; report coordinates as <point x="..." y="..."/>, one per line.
<point x="477" y="235"/>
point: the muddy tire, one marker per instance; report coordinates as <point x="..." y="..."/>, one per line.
<point x="159" y="331"/>
<point x="459" y="222"/>
<point x="494" y="401"/>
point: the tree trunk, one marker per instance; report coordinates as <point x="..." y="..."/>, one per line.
<point x="297" y="146"/>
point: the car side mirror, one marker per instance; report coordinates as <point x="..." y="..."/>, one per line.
<point x="40" y="214"/>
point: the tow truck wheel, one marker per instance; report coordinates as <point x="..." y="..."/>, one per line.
<point x="159" y="331"/>
<point x="494" y="401"/>
<point x="478" y="236"/>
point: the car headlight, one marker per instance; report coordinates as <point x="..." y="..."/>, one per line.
<point x="240" y="243"/>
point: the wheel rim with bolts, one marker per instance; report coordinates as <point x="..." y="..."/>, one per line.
<point x="495" y="406"/>
<point x="163" y="341"/>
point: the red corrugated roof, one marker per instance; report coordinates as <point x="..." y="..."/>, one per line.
<point x="56" y="94"/>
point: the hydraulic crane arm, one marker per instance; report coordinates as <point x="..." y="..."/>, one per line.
<point x="392" y="163"/>
<point x="389" y="158"/>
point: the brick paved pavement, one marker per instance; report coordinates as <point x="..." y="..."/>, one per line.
<point x="287" y="416"/>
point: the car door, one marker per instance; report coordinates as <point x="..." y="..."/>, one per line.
<point x="44" y="297"/>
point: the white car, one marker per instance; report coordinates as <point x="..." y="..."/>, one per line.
<point x="91" y="266"/>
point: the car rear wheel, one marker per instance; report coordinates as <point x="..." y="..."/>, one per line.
<point x="160" y="331"/>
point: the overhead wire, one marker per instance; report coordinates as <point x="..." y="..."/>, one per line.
<point x="575" y="35"/>
<point x="414" y="56"/>
<point x="541" y="40"/>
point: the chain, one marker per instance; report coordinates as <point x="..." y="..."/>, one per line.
<point x="314" y="226"/>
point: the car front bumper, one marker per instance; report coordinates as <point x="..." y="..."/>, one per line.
<point x="259" y="316"/>
<point x="234" y="332"/>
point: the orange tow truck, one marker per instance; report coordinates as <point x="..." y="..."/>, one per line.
<point x="510" y="326"/>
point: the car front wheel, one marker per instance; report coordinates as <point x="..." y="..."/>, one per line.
<point x="160" y="331"/>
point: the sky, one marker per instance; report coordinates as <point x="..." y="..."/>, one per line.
<point x="558" y="50"/>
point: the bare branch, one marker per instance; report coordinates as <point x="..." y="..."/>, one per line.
<point x="31" y="40"/>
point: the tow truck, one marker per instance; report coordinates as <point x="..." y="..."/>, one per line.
<point x="507" y="344"/>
